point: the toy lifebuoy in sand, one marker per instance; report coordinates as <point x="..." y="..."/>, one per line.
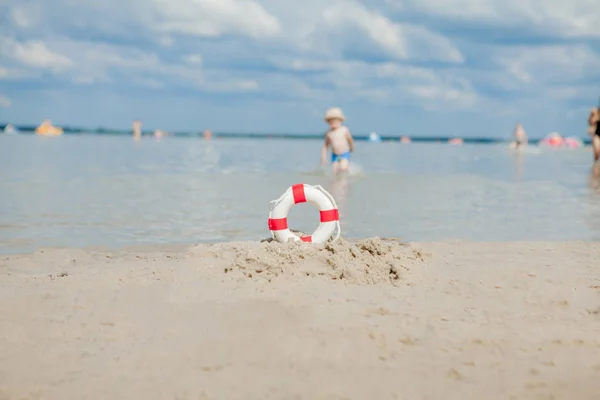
<point x="301" y="193"/>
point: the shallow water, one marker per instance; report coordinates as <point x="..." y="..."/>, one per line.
<point x="89" y="190"/>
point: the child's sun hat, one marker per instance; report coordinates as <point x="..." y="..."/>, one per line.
<point x="334" y="113"/>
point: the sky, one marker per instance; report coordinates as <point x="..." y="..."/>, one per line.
<point x="397" y="67"/>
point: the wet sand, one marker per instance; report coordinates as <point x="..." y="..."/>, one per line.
<point x="371" y="319"/>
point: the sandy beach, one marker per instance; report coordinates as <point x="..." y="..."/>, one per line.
<point x="368" y="319"/>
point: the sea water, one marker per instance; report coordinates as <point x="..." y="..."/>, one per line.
<point x="94" y="190"/>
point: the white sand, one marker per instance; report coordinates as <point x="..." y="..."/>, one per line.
<point x="373" y="319"/>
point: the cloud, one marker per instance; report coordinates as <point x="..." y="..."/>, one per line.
<point x="195" y="59"/>
<point x="459" y="95"/>
<point x="87" y="61"/>
<point x="34" y="53"/>
<point x="384" y="83"/>
<point x="24" y="17"/>
<point x="215" y="18"/>
<point x="400" y="60"/>
<point x="400" y="41"/>
<point x="577" y="18"/>
<point x="551" y="79"/>
<point x="549" y="63"/>
<point x="104" y="63"/>
<point x="5" y="101"/>
<point x="380" y="30"/>
<point x="349" y="29"/>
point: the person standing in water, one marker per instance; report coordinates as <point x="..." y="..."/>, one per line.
<point x="137" y="129"/>
<point x="594" y="131"/>
<point x="520" y="137"/>
<point x="339" y="138"/>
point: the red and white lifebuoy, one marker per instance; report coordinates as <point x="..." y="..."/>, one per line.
<point x="301" y="193"/>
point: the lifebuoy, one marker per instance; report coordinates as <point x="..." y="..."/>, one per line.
<point x="301" y="193"/>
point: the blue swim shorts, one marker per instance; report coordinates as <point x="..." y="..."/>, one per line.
<point x="339" y="157"/>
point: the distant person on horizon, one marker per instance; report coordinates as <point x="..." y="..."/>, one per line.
<point x="339" y="138"/>
<point x="594" y="131"/>
<point x="207" y="134"/>
<point x="137" y="129"/>
<point x="520" y="137"/>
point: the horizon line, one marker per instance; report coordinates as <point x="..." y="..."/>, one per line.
<point x="30" y="129"/>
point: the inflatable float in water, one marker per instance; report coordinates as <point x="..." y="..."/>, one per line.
<point x="47" y="129"/>
<point x="554" y="139"/>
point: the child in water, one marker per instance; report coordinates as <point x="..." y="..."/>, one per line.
<point x="339" y="138"/>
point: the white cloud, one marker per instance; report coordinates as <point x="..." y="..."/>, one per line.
<point x="34" y="53"/>
<point x="427" y="45"/>
<point x="229" y="85"/>
<point x="402" y="41"/>
<point x="459" y="95"/>
<point x="94" y="63"/>
<point x="292" y="88"/>
<point x="325" y="28"/>
<point x="195" y="59"/>
<point x="300" y="64"/>
<point x="166" y="41"/>
<point x="20" y="17"/>
<point x="563" y="92"/>
<point x="87" y="62"/>
<point x="379" y="29"/>
<point x="84" y="80"/>
<point x="388" y="82"/>
<point x="148" y="82"/>
<point x="26" y="14"/>
<point x="549" y="63"/>
<point x="18" y="73"/>
<point x="5" y="101"/>
<point x="346" y="26"/>
<point x="309" y="53"/>
<point x="571" y="18"/>
<point x="214" y="18"/>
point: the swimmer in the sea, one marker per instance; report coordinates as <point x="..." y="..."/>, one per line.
<point x="339" y="138"/>
<point x="137" y="129"/>
<point x="520" y="137"/>
<point x="594" y="131"/>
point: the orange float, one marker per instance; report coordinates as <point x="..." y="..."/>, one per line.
<point x="47" y="129"/>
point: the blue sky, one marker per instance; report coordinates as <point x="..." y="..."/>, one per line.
<point x="414" y="67"/>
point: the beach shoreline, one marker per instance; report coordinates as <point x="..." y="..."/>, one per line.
<point x="356" y="319"/>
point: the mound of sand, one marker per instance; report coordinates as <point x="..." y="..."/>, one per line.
<point x="368" y="261"/>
